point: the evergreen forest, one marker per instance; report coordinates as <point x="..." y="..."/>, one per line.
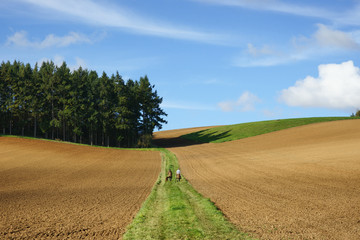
<point x="79" y="106"/>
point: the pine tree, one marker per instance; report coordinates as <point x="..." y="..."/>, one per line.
<point x="36" y="98"/>
<point x="48" y="102"/>
<point x="106" y="89"/>
<point x="92" y="103"/>
<point x="63" y="87"/>
<point x="77" y="105"/>
<point x="4" y="95"/>
<point x="78" y="102"/>
<point x="150" y="110"/>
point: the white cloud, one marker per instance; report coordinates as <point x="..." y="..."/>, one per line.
<point x="72" y="38"/>
<point x="276" y="6"/>
<point x="79" y="63"/>
<point x="266" y="56"/>
<point x="95" y="13"/>
<point x="227" y="106"/>
<point x="350" y="16"/>
<point x="336" y="87"/>
<point x="256" y="52"/>
<point x="246" y="102"/>
<point x="20" y="39"/>
<point x="58" y="61"/>
<point x="325" y="41"/>
<point x="327" y="37"/>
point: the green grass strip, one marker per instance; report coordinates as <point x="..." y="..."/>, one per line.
<point x="244" y="130"/>
<point x="174" y="210"/>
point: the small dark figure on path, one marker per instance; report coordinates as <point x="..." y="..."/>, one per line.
<point x="169" y="176"/>
<point x="178" y="175"/>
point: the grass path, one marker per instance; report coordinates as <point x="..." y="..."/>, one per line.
<point x="174" y="210"/>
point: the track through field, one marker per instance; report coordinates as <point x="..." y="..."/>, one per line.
<point x="174" y="210"/>
<point x="298" y="183"/>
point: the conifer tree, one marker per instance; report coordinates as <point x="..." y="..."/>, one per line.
<point x="77" y="105"/>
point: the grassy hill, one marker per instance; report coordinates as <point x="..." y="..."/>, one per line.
<point x="244" y="130"/>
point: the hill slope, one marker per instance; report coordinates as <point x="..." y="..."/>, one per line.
<point x="244" y="130"/>
<point x="57" y="191"/>
<point x="298" y="183"/>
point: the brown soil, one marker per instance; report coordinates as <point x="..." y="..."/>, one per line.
<point x="57" y="190"/>
<point x="299" y="183"/>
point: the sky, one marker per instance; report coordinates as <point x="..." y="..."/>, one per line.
<point x="214" y="62"/>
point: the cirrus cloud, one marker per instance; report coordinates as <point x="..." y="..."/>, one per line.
<point x="278" y="6"/>
<point x="114" y="15"/>
<point x="336" y="87"/>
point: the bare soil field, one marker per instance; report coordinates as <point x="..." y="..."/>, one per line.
<point x="57" y="191"/>
<point x="298" y="183"/>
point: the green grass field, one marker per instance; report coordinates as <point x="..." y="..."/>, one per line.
<point x="174" y="210"/>
<point x="244" y="130"/>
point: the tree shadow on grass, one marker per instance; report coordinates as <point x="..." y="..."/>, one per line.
<point x="189" y="139"/>
<point x="173" y="142"/>
<point x="204" y="137"/>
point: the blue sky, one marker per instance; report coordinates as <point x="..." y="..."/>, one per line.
<point x="214" y="62"/>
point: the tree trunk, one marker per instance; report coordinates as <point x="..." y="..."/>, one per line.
<point x="52" y="113"/>
<point x="35" y="126"/>
<point x="91" y="135"/>
<point x="128" y="137"/>
<point x="10" y="126"/>
<point x="64" y="131"/>
<point x="102" y="139"/>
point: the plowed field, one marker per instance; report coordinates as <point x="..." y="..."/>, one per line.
<point x="299" y="183"/>
<point x="56" y="190"/>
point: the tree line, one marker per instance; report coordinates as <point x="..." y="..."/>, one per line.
<point x="79" y="106"/>
<point x="357" y="114"/>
